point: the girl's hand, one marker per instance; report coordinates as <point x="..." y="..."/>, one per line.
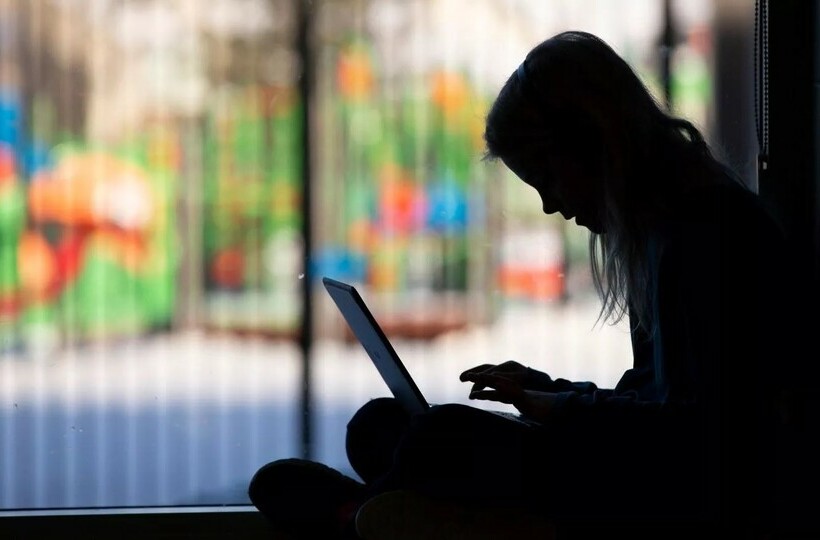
<point x="495" y="387"/>
<point x="511" y="370"/>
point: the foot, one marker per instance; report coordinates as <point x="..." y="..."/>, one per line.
<point x="306" y="499"/>
<point x="406" y="515"/>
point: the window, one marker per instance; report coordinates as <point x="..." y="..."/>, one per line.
<point x="151" y="228"/>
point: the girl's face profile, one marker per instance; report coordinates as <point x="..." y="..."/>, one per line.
<point x="564" y="185"/>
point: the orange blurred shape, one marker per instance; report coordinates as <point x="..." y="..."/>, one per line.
<point x="401" y="199"/>
<point x="228" y="268"/>
<point x="535" y="284"/>
<point x="384" y="276"/>
<point x="37" y="265"/>
<point x="390" y="173"/>
<point x="448" y="91"/>
<point x="354" y="74"/>
<point x="78" y="191"/>
<point x="61" y="200"/>
<point x="398" y="205"/>
<point x="362" y="236"/>
<point x="127" y="249"/>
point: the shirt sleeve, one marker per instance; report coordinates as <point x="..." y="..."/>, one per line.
<point x="538" y="380"/>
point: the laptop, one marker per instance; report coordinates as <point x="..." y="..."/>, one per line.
<point x="381" y="351"/>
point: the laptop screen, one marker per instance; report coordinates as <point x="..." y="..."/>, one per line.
<point x="375" y="343"/>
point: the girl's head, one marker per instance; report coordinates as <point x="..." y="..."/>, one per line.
<point x="575" y="122"/>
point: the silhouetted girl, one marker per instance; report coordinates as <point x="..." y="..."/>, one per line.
<point x="679" y="246"/>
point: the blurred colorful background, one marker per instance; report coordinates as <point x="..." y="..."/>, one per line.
<point x="176" y="176"/>
<point x="105" y="145"/>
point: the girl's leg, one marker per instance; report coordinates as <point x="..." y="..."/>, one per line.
<point x="465" y="453"/>
<point x="373" y="434"/>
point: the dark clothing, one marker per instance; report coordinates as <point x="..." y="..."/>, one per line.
<point x="692" y="427"/>
<point x="452" y="451"/>
<point x="694" y="430"/>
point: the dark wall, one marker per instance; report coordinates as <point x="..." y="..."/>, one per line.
<point x="791" y="181"/>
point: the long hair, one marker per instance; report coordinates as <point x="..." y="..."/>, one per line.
<point x="574" y="92"/>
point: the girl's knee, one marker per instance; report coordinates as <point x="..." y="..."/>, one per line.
<point x="378" y="411"/>
<point x="372" y="436"/>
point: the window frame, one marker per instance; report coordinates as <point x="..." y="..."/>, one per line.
<point x="202" y="522"/>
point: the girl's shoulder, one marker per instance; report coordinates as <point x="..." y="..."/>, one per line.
<point x="727" y="204"/>
<point x="725" y="217"/>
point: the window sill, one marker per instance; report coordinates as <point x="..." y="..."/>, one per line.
<point x="127" y="523"/>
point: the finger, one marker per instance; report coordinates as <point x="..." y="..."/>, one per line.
<point x="491" y="371"/>
<point x="491" y="395"/>
<point x="506" y="385"/>
<point x="472" y="371"/>
<point x="477" y="387"/>
<point x="515" y="376"/>
<point x="511" y="365"/>
<point x="492" y="387"/>
<point x="494" y="379"/>
<point x="514" y="373"/>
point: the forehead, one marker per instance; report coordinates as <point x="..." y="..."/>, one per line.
<point x="527" y="153"/>
<point x="527" y="163"/>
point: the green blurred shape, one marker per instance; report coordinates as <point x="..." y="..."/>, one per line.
<point x="248" y="144"/>
<point x="134" y="150"/>
<point x="360" y="203"/>
<point x="415" y="132"/>
<point x="286" y="145"/>
<point x="40" y="314"/>
<point x="156" y="283"/>
<point x="9" y="275"/>
<point x="364" y="126"/>
<point x="156" y="299"/>
<point x="67" y="145"/>
<point x="104" y="299"/>
<point x="12" y="213"/>
<point x="454" y="155"/>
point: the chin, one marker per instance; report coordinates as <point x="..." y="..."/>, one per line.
<point x="593" y="227"/>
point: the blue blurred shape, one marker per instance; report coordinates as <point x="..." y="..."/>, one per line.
<point x="339" y="263"/>
<point x="11" y="118"/>
<point x="447" y="207"/>
<point x="37" y="156"/>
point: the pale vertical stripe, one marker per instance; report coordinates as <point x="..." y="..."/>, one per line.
<point x="222" y="366"/>
<point x="163" y="442"/>
<point x="193" y="376"/>
<point x="254" y="383"/>
<point x="97" y="429"/>
<point x="10" y="404"/>
<point x="68" y="435"/>
<point x="40" y="438"/>
<point x="132" y="444"/>
<point x="37" y="429"/>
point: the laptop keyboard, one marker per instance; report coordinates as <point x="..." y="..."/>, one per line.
<point x="517" y="417"/>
